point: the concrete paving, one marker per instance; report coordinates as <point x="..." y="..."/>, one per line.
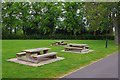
<point x="105" y="68"/>
<point x="35" y="64"/>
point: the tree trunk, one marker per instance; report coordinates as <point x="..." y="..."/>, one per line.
<point x="15" y="30"/>
<point x="94" y="33"/>
<point x="111" y="30"/>
<point x="10" y="30"/>
<point x="23" y="28"/>
<point x="115" y="25"/>
<point x="118" y="29"/>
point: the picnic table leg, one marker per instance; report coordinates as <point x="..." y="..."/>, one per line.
<point x="66" y="49"/>
<point x="38" y="53"/>
<point x="54" y="56"/>
<point x="45" y="51"/>
<point x="58" y="43"/>
<point x="28" y="55"/>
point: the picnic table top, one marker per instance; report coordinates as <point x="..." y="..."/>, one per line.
<point x="60" y="41"/>
<point x="35" y="49"/>
<point x="77" y="44"/>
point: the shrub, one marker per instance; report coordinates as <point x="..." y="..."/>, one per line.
<point x="57" y="36"/>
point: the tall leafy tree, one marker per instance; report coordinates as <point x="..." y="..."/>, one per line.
<point x="48" y="18"/>
<point x="73" y="15"/>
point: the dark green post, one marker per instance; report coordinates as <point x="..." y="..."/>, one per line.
<point x="107" y="30"/>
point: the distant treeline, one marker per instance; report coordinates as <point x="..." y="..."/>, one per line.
<point x="58" y="20"/>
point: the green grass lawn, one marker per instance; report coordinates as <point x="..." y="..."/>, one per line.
<point x="71" y="62"/>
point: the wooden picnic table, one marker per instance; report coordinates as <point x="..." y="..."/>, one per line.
<point x="59" y="43"/>
<point x="34" y="55"/>
<point x="72" y="46"/>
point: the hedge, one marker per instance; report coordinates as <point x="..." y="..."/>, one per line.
<point x="76" y="37"/>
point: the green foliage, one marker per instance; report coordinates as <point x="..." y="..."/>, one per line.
<point x="99" y="15"/>
<point x="58" y="36"/>
<point x="43" y="18"/>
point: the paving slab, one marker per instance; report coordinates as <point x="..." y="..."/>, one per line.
<point x="35" y="64"/>
<point x="78" y="51"/>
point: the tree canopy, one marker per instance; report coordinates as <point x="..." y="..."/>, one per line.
<point x="50" y="18"/>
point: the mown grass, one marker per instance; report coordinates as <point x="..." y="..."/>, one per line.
<point x="71" y="62"/>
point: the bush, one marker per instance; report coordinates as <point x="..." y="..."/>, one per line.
<point x="58" y="36"/>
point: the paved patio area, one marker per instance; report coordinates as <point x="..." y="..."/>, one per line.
<point x="78" y="51"/>
<point x="35" y="64"/>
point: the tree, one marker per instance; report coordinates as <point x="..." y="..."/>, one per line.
<point x="72" y="15"/>
<point x="70" y="18"/>
<point x="116" y="22"/>
<point x="96" y="14"/>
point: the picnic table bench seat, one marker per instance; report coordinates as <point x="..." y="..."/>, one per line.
<point x="87" y="47"/>
<point x="21" y="54"/>
<point x="78" y="45"/>
<point x="73" y="48"/>
<point x="43" y="56"/>
<point x="63" y="43"/>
